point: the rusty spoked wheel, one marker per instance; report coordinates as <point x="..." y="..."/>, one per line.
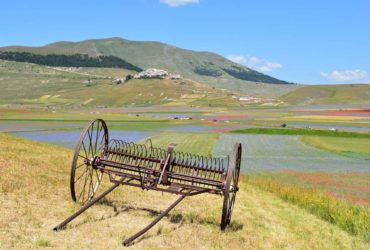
<point x="85" y="176"/>
<point x="231" y="186"/>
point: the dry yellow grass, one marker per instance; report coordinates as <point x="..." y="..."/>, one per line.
<point x="34" y="197"/>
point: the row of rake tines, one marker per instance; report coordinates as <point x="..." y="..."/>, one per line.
<point x="145" y="155"/>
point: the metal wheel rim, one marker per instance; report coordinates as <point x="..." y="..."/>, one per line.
<point x="85" y="180"/>
<point x="232" y="181"/>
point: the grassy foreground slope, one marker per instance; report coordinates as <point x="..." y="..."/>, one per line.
<point x="34" y="197"/>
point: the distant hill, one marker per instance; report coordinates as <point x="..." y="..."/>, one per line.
<point x="204" y="67"/>
<point x="329" y="94"/>
<point x="39" y="85"/>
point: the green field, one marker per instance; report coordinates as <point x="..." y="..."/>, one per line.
<point x="33" y="202"/>
<point x="299" y="131"/>
<point x="198" y="143"/>
<point x="340" y="145"/>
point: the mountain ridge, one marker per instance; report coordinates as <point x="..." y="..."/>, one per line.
<point x="202" y="66"/>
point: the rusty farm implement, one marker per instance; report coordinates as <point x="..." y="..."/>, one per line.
<point x="149" y="168"/>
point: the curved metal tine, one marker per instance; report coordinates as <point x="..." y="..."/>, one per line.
<point x="113" y="148"/>
<point x="191" y="163"/>
<point x="116" y="150"/>
<point x="201" y="166"/>
<point x="134" y="153"/>
<point x="139" y="154"/>
<point x="226" y="164"/>
<point x="144" y="155"/>
<point x="213" y="167"/>
<point x="130" y="152"/>
<point x="139" y="159"/>
<point x="126" y="151"/>
<point x="119" y="149"/>
<point x="173" y="167"/>
<point x="156" y="157"/>
<point x="148" y="148"/>
<point x="180" y="161"/>
<point x="196" y="164"/>
<point x="210" y="167"/>
<point x="176" y="160"/>
<point x="217" y="162"/>
<point x="187" y="163"/>
<point x="221" y="163"/>
<point x="112" y="145"/>
<point x="183" y="162"/>
<point x="179" y="158"/>
<point x="200" y="171"/>
<point x="109" y="149"/>
<point x="122" y="148"/>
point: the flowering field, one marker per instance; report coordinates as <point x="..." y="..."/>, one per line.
<point x="285" y="152"/>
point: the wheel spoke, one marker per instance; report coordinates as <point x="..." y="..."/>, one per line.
<point x="81" y="175"/>
<point x="88" y="193"/>
<point x="83" y="145"/>
<point x="82" y="164"/>
<point x="91" y="184"/>
<point x="83" y="157"/>
<point x="83" y="190"/>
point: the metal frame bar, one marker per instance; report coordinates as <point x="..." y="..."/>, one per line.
<point x="86" y="206"/>
<point x="130" y="240"/>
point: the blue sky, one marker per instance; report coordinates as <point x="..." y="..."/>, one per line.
<point x="305" y="41"/>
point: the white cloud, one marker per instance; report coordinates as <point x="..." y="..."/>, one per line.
<point x="256" y="63"/>
<point x="176" y="3"/>
<point x="346" y="75"/>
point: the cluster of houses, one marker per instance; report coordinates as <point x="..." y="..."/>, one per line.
<point x="150" y="73"/>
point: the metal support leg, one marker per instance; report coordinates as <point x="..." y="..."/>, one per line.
<point x="86" y="206"/>
<point x="130" y="240"/>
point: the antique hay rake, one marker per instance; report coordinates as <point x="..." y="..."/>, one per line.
<point x="150" y="168"/>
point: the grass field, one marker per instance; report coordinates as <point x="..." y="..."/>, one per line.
<point x="340" y="145"/>
<point x="350" y="217"/>
<point x="34" y="195"/>
<point x="301" y="131"/>
<point x="351" y="187"/>
<point x="198" y="143"/>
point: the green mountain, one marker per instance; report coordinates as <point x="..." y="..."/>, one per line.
<point x="204" y="67"/>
